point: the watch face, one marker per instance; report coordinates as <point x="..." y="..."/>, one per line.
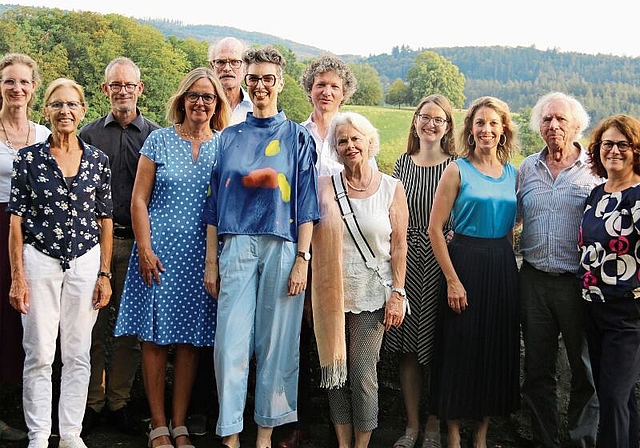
<point x="304" y="255"/>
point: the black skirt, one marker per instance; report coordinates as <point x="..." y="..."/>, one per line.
<point x="477" y="357"/>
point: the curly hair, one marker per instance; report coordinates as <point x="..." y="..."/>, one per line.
<point x="265" y="54"/>
<point x="329" y="63"/>
<point x="629" y="127"/>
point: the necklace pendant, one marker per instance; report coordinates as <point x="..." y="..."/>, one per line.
<point x="9" y="144"/>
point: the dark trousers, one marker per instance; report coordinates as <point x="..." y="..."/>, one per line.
<point x="613" y="331"/>
<point x="551" y="305"/>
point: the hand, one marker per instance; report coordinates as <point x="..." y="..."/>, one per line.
<point x="150" y="267"/>
<point x="102" y="293"/>
<point x="212" y="279"/>
<point x="298" y="277"/>
<point x="394" y="311"/>
<point x="19" y="295"/>
<point x="457" y="296"/>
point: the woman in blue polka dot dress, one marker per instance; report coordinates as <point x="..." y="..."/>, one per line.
<point x="164" y="301"/>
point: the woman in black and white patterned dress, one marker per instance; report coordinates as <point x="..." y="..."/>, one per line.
<point x="430" y="149"/>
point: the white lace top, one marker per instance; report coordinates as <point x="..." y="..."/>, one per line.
<point x="363" y="289"/>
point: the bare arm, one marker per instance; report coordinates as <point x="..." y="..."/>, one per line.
<point x="19" y="292"/>
<point x="300" y="269"/>
<point x="446" y="193"/>
<point x="102" y="291"/>
<point x="399" y="216"/>
<point x="150" y="264"/>
<point x="211" y="271"/>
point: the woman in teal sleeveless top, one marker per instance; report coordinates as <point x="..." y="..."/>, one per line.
<point x="477" y="333"/>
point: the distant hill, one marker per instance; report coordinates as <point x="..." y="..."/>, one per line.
<point x="213" y="33"/>
<point x="605" y="84"/>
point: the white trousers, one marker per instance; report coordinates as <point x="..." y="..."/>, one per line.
<point x="59" y="301"/>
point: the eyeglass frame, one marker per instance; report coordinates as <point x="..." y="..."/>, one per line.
<point x="426" y="119"/>
<point x="13" y="82"/>
<point x="612" y="143"/>
<point x="198" y="96"/>
<point x="222" y="63"/>
<point x="59" y="105"/>
<point x="260" y="79"/>
<point x="128" y="87"/>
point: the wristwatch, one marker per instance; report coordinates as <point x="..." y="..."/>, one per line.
<point x="109" y="275"/>
<point x="306" y="256"/>
<point x="400" y="291"/>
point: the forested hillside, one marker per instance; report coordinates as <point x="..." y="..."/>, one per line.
<point x="77" y="43"/>
<point x="606" y="84"/>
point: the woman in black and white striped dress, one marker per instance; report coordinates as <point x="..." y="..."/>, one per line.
<point x="430" y="148"/>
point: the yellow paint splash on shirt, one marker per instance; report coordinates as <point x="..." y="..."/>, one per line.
<point x="285" y="187"/>
<point x="272" y="148"/>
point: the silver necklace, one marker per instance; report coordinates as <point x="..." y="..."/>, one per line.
<point x="359" y="189"/>
<point x="8" y="141"/>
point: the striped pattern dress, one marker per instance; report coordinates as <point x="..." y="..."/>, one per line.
<point x="417" y="332"/>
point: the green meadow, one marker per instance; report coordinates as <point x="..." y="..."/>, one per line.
<point x="393" y="126"/>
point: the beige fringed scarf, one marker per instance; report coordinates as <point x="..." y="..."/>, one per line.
<point x="327" y="293"/>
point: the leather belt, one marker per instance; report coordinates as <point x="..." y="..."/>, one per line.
<point x="122" y="232"/>
<point x="552" y="274"/>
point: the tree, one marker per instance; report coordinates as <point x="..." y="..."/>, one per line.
<point x="399" y="93"/>
<point x="530" y="141"/>
<point x="369" y="91"/>
<point x="431" y="73"/>
<point x="293" y="100"/>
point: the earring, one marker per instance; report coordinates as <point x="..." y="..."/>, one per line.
<point x="471" y="140"/>
<point x="502" y="140"/>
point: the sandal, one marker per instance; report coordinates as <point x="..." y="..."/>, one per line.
<point x="160" y="431"/>
<point x="180" y="431"/>
<point x="431" y="440"/>
<point x="407" y="440"/>
<point x="11" y="434"/>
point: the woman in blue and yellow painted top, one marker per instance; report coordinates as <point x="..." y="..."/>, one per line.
<point x="262" y="208"/>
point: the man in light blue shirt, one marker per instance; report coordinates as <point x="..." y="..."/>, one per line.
<point x="553" y="185"/>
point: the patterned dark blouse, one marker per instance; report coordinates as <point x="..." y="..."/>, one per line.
<point x="609" y="242"/>
<point x="60" y="219"/>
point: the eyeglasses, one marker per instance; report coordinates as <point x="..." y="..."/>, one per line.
<point x="11" y="83"/>
<point x="128" y="87"/>
<point x="207" y="98"/>
<point x="622" y="145"/>
<point x="267" y="80"/>
<point x="58" y="105"/>
<point x="426" y="119"/>
<point x="221" y="63"/>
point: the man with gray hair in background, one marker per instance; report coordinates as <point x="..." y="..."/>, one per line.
<point x="553" y="185"/>
<point x="225" y="58"/>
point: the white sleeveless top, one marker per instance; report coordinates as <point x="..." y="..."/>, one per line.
<point x="363" y="289"/>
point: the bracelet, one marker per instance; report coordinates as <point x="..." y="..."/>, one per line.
<point x="109" y="275"/>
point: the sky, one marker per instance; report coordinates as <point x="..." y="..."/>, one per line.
<point x="366" y="28"/>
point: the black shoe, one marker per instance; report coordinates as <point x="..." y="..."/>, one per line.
<point x="123" y="421"/>
<point x="197" y="424"/>
<point x="90" y="421"/>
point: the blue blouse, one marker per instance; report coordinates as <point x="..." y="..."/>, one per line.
<point x="264" y="181"/>
<point x="609" y="242"/>
<point x="60" y="219"/>
<point x="485" y="206"/>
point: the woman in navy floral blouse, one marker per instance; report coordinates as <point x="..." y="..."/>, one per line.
<point x="60" y="240"/>
<point x="610" y="246"/>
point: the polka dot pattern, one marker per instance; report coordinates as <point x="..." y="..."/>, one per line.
<point x="178" y="310"/>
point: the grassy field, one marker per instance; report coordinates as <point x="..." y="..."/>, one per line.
<point x="393" y="127"/>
